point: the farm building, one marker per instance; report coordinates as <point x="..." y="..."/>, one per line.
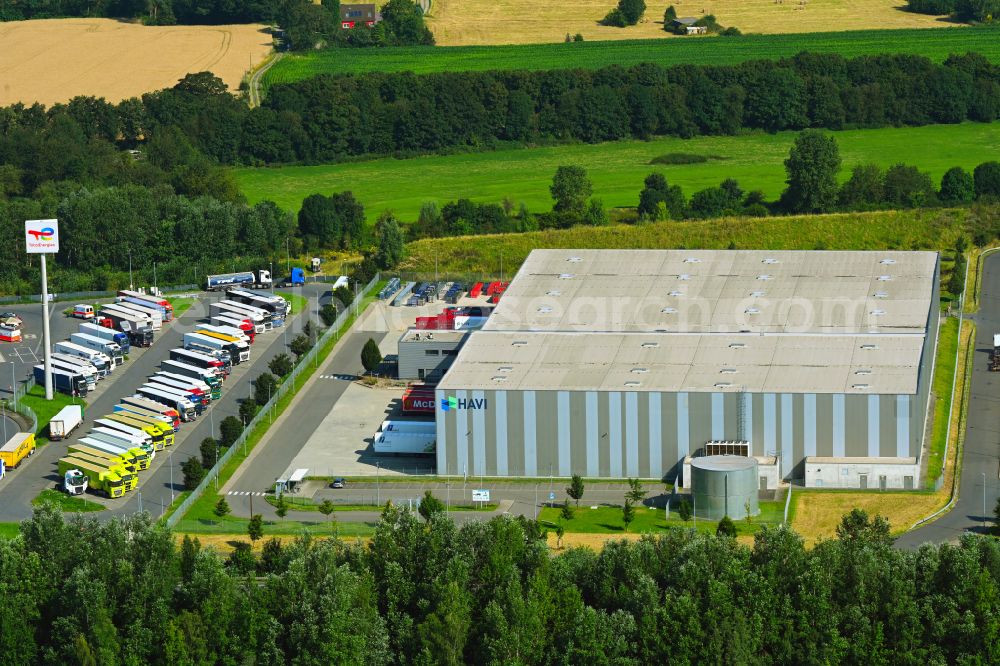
<point x="615" y="363"/>
<point x="353" y="15"/>
<point x="687" y="26"/>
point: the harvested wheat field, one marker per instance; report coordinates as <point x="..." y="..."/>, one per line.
<point x="458" y="22"/>
<point x="55" y="60"/>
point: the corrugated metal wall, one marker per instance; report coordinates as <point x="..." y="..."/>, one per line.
<point x="621" y="433"/>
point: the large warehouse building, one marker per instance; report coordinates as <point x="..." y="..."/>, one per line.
<point x="614" y="363"/>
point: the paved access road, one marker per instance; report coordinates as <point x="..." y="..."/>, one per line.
<point x="155" y="487"/>
<point x="276" y="452"/>
<point x="981" y="455"/>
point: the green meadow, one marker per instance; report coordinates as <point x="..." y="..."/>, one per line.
<point x="936" y="44"/>
<point x="616" y="169"/>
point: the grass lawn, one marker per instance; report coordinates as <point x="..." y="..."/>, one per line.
<point x="608" y="520"/>
<point x="480" y="256"/>
<point x="181" y="305"/>
<point x="934" y="44"/>
<point x="66" y="503"/>
<point x="944" y="373"/>
<point x="9" y="530"/>
<point x="46" y="409"/>
<point x="616" y="169"/>
<point x="815" y="514"/>
<point x="298" y="302"/>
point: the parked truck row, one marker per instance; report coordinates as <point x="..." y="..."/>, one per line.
<point x="123" y="443"/>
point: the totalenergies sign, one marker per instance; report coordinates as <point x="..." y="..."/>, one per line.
<point x="41" y="236"/>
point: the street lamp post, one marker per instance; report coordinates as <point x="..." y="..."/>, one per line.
<point x="984" y="500"/>
<point x="171" y="462"/>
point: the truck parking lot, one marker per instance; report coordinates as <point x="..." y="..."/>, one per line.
<point x="163" y="479"/>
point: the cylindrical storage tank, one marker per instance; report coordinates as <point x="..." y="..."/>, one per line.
<point x="724" y="486"/>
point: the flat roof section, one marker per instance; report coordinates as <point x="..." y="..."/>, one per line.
<point x="432" y="335"/>
<point x="711" y="291"/>
<point x="770" y="363"/>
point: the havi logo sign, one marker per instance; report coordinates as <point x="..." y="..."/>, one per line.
<point x="41" y="236"/>
<point x="451" y="403"/>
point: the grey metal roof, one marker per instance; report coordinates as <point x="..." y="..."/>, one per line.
<point x="718" y="291"/>
<point x="431" y="335"/>
<point x="705" y="321"/>
<point x="723" y="463"/>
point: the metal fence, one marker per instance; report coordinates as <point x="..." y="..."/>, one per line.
<point x="267" y="411"/>
<point x="88" y="295"/>
<point x="15" y="404"/>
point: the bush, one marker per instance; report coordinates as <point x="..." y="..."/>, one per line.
<point x="615" y="18"/>
<point x="987" y="179"/>
<point x="371" y="357"/>
<point x="726" y="527"/>
<point x="229" y="430"/>
<point x="281" y="365"/>
<point x="241" y="560"/>
<point x="265" y="387"/>
<point x="679" y="158"/>
<point x="193" y="472"/>
<point x="328" y="313"/>
<point x="300" y="346"/>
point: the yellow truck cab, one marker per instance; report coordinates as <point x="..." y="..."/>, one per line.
<point x="100" y="478"/>
<point x="164" y="428"/>
<point x="162" y="436"/>
<point x="129" y="479"/>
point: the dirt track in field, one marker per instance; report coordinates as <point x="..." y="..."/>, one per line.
<point x="55" y="60"/>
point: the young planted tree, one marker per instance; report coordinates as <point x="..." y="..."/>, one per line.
<point x="628" y="514"/>
<point x="429" y="506"/>
<point x="229" y="430"/>
<point x="281" y="506"/>
<point x="280" y="365"/>
<point x="193" y="472"/>
<point x="328" y="313"/>
<point x="566" y="511"/>
<point x="255" y="528"/>
<point x="684" y="509"/>
<point x="371" y="357"/>
<point x="209" y="450"/>
<point x="560" y="531"/>
<point x="575" y="489"/>
<point x="636" y="492"/>
<point x="222" y="508"/>
<point x="326" y="508"/>
<point x="248" y="409"/>
<point x="264" y="387"/>
<point x="300" y="345"/>
<point x="570" y="189"/>
<point x="726" y="527"/>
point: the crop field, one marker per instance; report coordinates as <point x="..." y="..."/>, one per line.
<point x="934" y="44"/>
<point x="54" y="60"/>
<point x="616" y="169"/>
<point x="522" y="22"/>
<point x="481" y="256"/>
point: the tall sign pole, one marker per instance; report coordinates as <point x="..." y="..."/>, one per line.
<point x="42" y="237"/>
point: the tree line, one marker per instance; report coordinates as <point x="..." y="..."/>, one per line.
<point x="979" y="11"/>
<point x="339" y="116"/>
<point x="79" y="591"/>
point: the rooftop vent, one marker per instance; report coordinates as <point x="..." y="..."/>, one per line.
<point x="861" y="387"/>
<point x="505" y="368"/>
<point x="639" y="371"/>
<point x="566" y="276"/>
<point x="884" y="278"/>
<point x="764" y="276"/>
<point x="668" y="310"/>
<point x="499" y="378"/>
<point x="869" y="347"/>
<point x="738" y="345"/>
<point x="676" y="293"/>
<point x="553" y="292"/>
<point x="752" y="311"/>
<point x="887" y="261"/>
<point x="684" y="276"/>
<point x="769" y="260"/>
<point x="881" y="294"/>
<point x="575" y="259"/>
<point x="723" y="385"/>
<point x="757" y="294"/>
<point x="545" y="308"/>
<point x="728" y="371"/>
<point x="519" y="343"/>
<point x="692" y="260"/>
<point x="650" y="345"/>
<point x="877" y="313"/>
<point x="864" y="372"/>
<point x="633" y="383"/>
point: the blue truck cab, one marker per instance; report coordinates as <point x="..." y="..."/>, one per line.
<point x="298" y="277"/>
